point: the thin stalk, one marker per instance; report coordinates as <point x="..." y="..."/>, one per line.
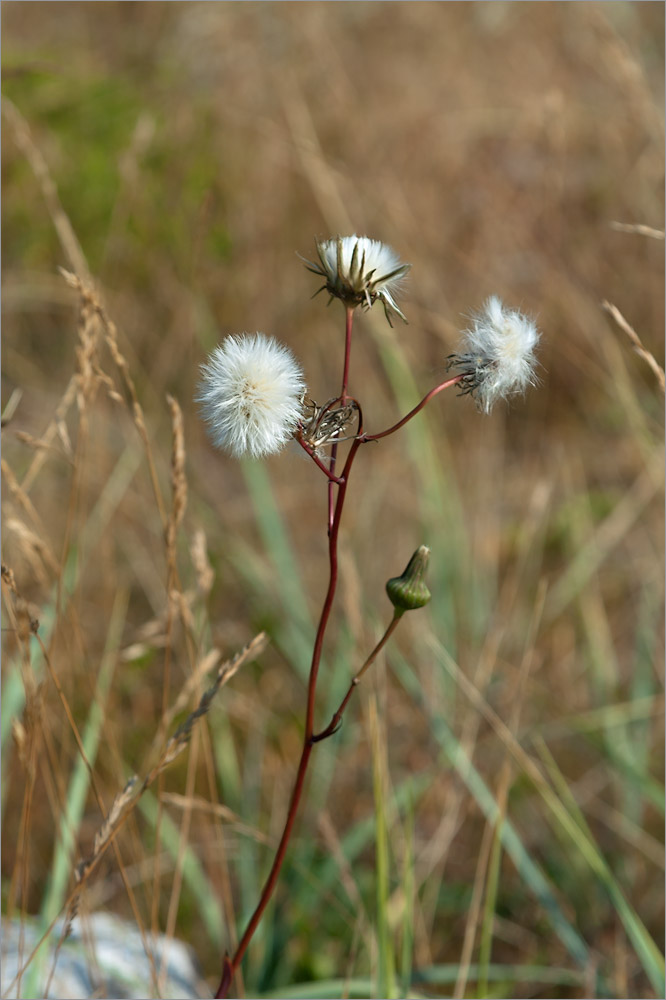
<point x="334" y="724"/>
<point x="335" y="508"/>
<point x="330" y="594"/>
<point x="349" y="322"/>
<point x="348" y="336"/>
<point x="231" y="964"/>
<point x="417" y="409"/>
<point x="315" y="458"/>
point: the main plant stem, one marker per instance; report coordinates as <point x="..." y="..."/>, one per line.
<point x="231" y="964"/>
<point x="349" y="321"/>
<point x="334" y="516"/>
<point x="335" y="508"/>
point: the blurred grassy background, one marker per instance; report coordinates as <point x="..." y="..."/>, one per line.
<point x="511" y="742"/>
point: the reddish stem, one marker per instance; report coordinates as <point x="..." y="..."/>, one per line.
<point x="349" y="322"/>
<point x="231" y="964"/>
<point x="417" y="409"/>
<point x="330" y="594"/>
<point x="334" y="516"/>
<point x="334" y="724"/>
<point x="315" y="458"/>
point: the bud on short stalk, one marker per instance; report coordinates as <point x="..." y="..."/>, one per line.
<point x="409" y="591"/>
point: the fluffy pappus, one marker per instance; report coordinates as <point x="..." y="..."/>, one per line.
<point x="250" y="395"/>
<point x="497" y="358"/>
<point x="359" y="271"/>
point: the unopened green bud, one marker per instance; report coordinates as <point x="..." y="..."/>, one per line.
<point x="409" y="591"/>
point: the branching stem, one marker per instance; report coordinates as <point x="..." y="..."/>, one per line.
<point x="335" y="508"/>
<point x="315" y="458"/>
<point x="334" y="724"/>
<point x="335" y="514"/>
<point x="417" y="409"/>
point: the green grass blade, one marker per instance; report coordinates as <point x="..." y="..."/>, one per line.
<point x="590" y="557"/>
<point x="386" y="982"/>
<point x="643" y="685"/>
<point x="434" y="975"/>
<point x="526" y="867"/>
<point x="194" y="876"/>
<point x="287" y="586"/>
<point x="79" y="784"/>
<point x="437" y="491"/>
<point x="77" y="792"/>
<point x="489" y="906"/>
<point x="574" y="824"/>
<point x="407" y="950"/>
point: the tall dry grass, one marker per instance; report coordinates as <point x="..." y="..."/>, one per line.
<point x="489" y="821"/>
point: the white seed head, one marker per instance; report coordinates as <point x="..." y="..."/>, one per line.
<point x="498" y="354"/>
<point x="359" y="271"/>
<point x="250" y="395"/>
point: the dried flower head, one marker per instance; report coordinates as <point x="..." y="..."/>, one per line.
<point x="325" y="425"/>
<point x="250" y="395"/>
<point x="359" y="271"/>
<point x="497" y="359"/>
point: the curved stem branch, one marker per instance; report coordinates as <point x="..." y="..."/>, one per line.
<point x="334" y="724"/>
<point x="417" y="409"/>
<point x="318" y="462"/>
